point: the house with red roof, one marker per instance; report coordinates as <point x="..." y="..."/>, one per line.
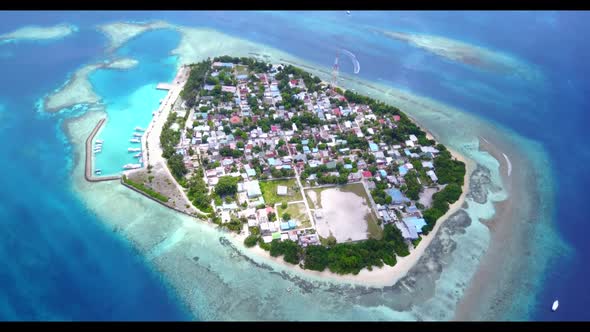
<point x="396" y="118"/>
<point x="235" y="120"/>
<point x="367" y="174"/>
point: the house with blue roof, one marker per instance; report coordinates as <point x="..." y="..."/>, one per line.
<point x="415" y="222"/>
<point x="271" y="161"/>
<point x="402" y="170"/>
<point x="374" y="147"/>
<point x="396" y="196"/>
<point x="412" y="209"/>
<point x="383" y="173"/>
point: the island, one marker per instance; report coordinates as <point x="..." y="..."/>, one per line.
<point x="325" y="178"/>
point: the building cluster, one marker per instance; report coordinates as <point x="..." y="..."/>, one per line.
<point x="245" y="131"/>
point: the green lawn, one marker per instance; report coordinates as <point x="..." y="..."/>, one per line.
<point x="269" y="191"/>
<point x="297" y="211"/>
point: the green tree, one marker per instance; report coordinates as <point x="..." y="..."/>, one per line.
<point x="176" y="164"/>
<point x="227" y="185"/>
<point x="251" y="241"/>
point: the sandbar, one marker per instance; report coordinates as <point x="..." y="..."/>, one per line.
<point x="35" y="32"/>
<point x="119" y="33"/>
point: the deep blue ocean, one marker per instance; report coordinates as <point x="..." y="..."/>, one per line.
<point x="62" y="264"/>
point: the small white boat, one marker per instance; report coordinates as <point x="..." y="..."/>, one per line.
<point x="555" y="305"/>
<point x="135" y="140"/>
<point x="348" y="12"/>
<point x="137" y="134"/>
<point x="139" y="129"/>
<point x="133" y="149"/>
<point x="137" y="155"/>
<point x="99" y="141"/>
<point x="132" y="166"/>
<point x="98" y="172"/>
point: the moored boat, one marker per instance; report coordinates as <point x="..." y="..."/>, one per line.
<point x="133" y="149"/>
<point x="137" y="155"/>
<point x="555" y="305"/>
<point x="131" y="166"/>
<point x="139" y="128"/>
<point x="137" y="134"/>
<point x="134" y="140"/>
<point x="99" y="141"/>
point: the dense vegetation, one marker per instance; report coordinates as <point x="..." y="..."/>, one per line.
<point x="176" y="166"/>
<point x="288" y="249"/>
<point x="452" y="173"/>
<point x="405" y="127"/>
<point x="341" y="258"/>
<point x="227" y="186"/>
<point x="169" y="137"/>
<point x="198" y="192"/>
<point x="149" y="191"/>
<point x="195" y="82"/>
<point x="251" y="241"/>
<point x="412" y="187"/>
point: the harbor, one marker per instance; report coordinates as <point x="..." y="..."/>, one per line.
<point x="121" y="148"/>
<point x="88" y="174"/>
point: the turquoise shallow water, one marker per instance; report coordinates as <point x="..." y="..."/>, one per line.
<point x="130" y="96"/>
<point x="553" y="113"/>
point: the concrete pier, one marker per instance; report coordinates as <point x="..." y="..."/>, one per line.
<point x="88" y="174"/>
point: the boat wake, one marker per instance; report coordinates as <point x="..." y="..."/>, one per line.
<point x="509" y="163"/>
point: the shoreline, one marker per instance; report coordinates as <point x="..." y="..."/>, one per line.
<point x="499" y="226"/>
<point x="488" y="279"/>
<point x="378" y="277"/>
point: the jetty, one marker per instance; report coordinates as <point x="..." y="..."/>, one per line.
<point x="88" y="174"/>
<point x="165" y="86"/>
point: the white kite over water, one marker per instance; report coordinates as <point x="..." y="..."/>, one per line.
<point x="355" y="62"/>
